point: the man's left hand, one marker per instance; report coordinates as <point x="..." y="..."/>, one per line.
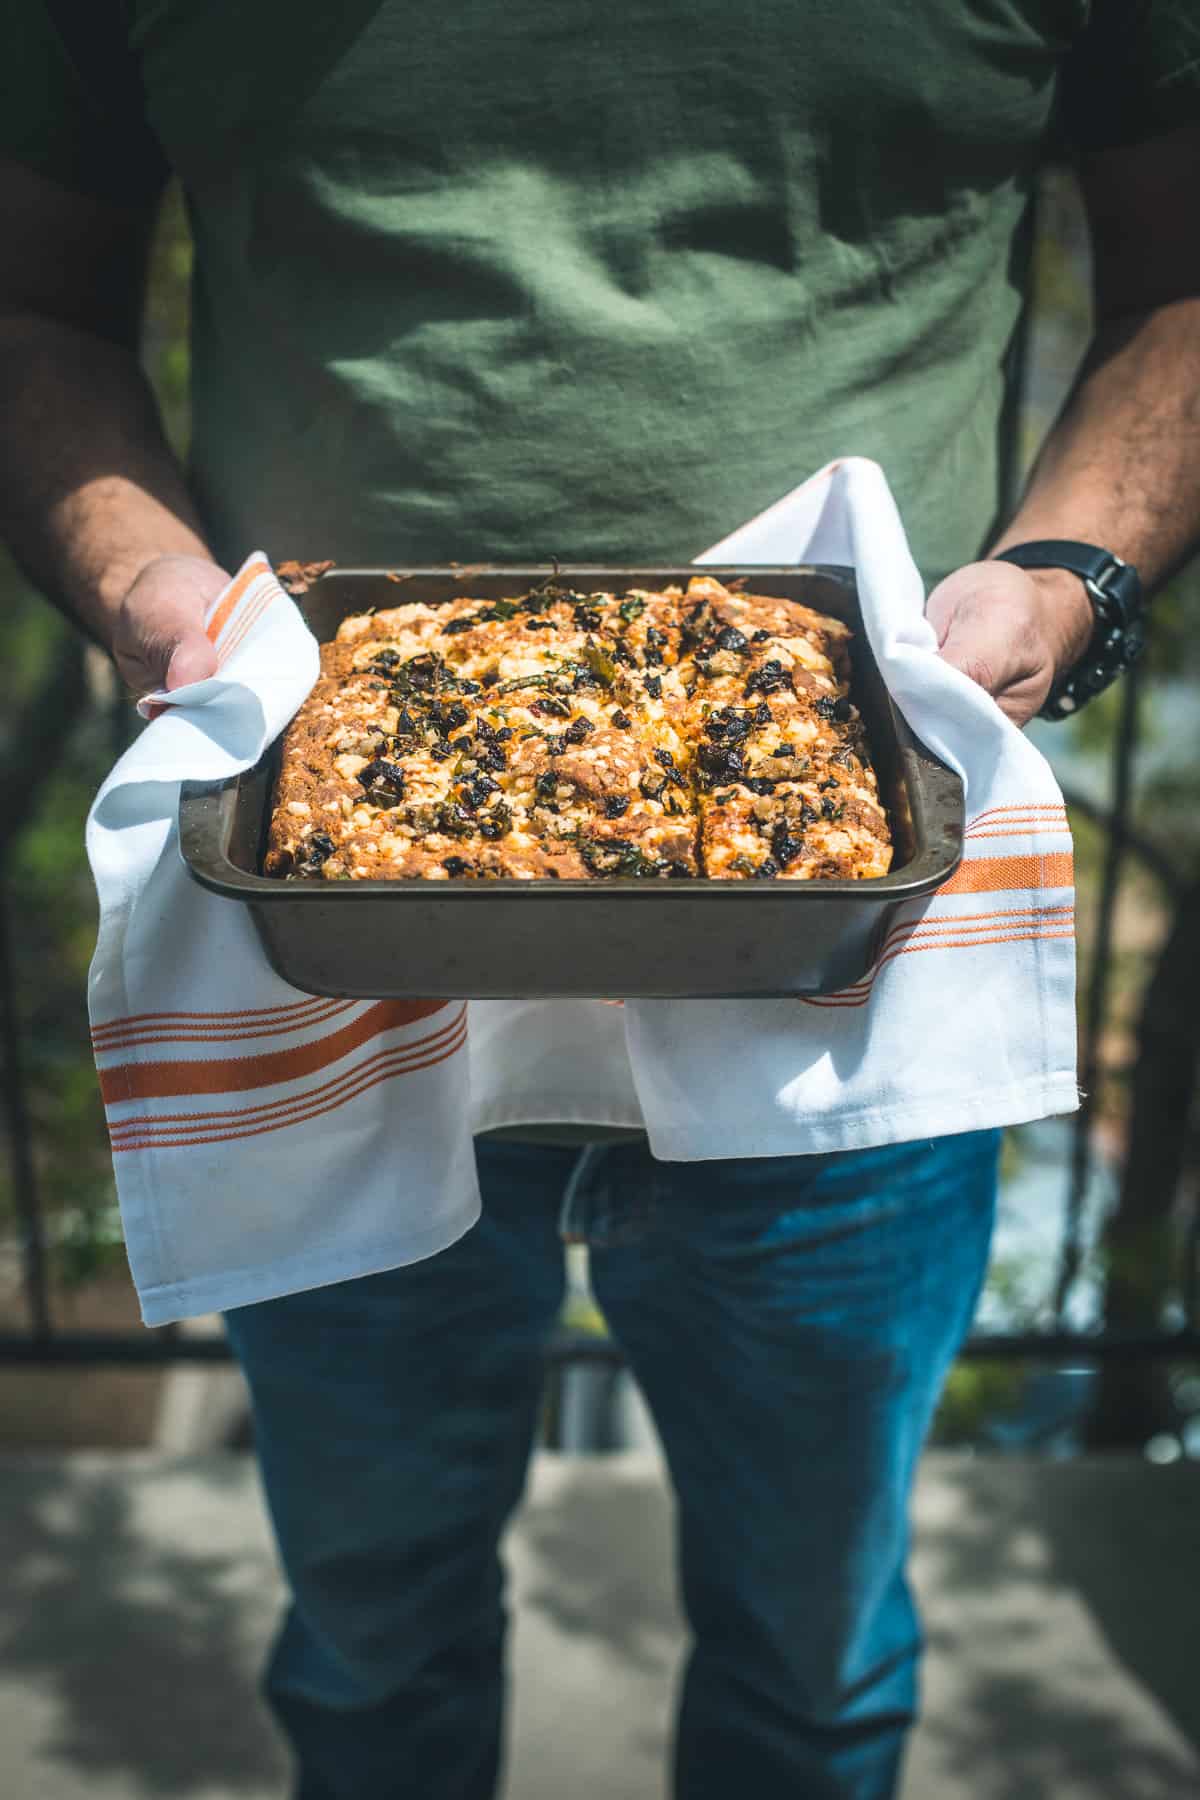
<point x="1011" y="630"/>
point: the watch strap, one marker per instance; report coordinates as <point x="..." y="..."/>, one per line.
<point x="1118" y="635"/>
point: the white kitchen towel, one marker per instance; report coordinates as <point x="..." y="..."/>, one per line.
<point x="263" y="1141"/>
<point x="967" y="1019"/>
<point x="266" y="1142"/>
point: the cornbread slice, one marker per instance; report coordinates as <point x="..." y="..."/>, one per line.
<point x="573" y="736"/>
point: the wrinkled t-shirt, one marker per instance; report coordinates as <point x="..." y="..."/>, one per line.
<point x="550" y="278"/>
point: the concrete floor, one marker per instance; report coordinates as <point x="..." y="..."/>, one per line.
<point x="1062" y="1603"/>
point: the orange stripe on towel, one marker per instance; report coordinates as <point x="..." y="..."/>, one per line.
<point x="217" y="623"/>
<point x="993" y="874"/>
<point x="243" y="625"/>
<point x="170" y="1128"/>
<point x="314" y="1004"/>
<point x="241" y="1074"/>
<point x="303" y="1115"/>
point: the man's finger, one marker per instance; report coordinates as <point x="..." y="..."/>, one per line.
<point x="160" y="640"/>
<point x="981" y="646"/>
<point x="194" y="658"/>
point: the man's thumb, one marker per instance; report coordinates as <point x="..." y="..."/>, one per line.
<point x="194" y="658"/>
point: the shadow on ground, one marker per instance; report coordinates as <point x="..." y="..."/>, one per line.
<point x="1061" y="1601"/>
<point x="139" y="1647"/>
<point x="601" y="1562"/>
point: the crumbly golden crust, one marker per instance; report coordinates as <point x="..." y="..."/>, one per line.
<point x="561" y="735"/>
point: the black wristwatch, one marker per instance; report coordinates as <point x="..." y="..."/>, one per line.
<point x="1118" y="636"/>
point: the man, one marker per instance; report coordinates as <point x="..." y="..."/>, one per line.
<point x="504" y="282"/>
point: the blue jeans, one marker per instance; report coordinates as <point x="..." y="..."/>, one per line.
<point x="790" y="1321"/>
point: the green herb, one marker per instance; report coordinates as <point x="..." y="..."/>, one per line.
<point x="599" y="663"/>
<point x="526" y="681"/>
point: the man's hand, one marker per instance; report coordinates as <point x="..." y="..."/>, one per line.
<point x="158" y="638"/>
<point x="1011" y="630"/>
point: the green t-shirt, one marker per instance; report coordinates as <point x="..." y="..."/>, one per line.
<point x="510" y="279"/>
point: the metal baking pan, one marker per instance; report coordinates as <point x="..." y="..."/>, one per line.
<point x="618" y="938"/>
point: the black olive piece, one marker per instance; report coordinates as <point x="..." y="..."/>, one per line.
<point x="575" y="733"/>
<point x="623" y="654"/>
<point x="546" y="786"/>
<point x="539" y="624"/>
<point x="722" y="761"/>
<point x="652" y="786"/>
<point x="455" y="821"/>
<point x="654" y="656"/>
<point x="452" y="628"/>
<point x="808" y="814"/>
<point x="668" y="763"/>
<point x="550" y="708"/>
<point x="759" y="784"/>
<point x="823" y="787"/>
<point x="760" y="637"/>
<point x="478" y="788"/>
<point x="654" y="686"/>
<point x="762" y="713"/>
<point x="406" y="725"/>
<point x="727" y="722"/>
<point x="455" y="865"/>
<point x="731" y="639"/>
<point x="654" y="635"/>
<point x="383" y="781"/>
<point x="767" y="680"/>
<point x="767" y="869"/>
<point x="830" y="708"/>
<point x="828" y="809"/>
<point x="384" y="660"/>
<point x="555" y="745"/>
<point x="622" y="721"/>
<point x="468" y="687"/>
<point x="425" y="672"/>
<point x="616" y="806"/>
<point x="319" y="848"/>
<point x="586" y="618"/>
<point x="784" y="847"/>
<point x="440" y="750"/>
<point x="694" y="626"/>
<point x="583" y="679"/>
<point x="454" y="716"/>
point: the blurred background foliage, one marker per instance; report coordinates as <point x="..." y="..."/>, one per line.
<point x="51" y="909"/>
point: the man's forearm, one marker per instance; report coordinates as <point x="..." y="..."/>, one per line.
<point x="90" y="492"/>
<point x="1121" y="468"/>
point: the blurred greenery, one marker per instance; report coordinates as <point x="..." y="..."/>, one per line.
<point x="46" y="879"/>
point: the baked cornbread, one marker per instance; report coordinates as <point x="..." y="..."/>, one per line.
<point x="574" y="736"/>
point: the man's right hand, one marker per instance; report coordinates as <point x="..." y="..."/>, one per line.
<point x="158" y="638"/>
